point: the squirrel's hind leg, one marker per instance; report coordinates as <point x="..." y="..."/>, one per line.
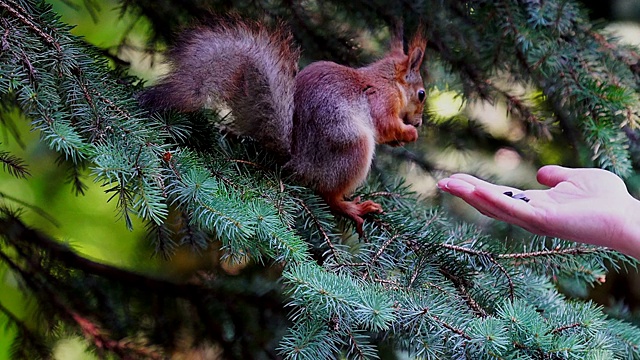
<point x="353" y="209"/>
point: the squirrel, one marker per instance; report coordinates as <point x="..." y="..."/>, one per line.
<point x="324" y="120"/>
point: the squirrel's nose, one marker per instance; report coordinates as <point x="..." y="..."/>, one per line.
<point x="413" y="120"/>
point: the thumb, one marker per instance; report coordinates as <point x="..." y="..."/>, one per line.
<point x="552" y="175"/>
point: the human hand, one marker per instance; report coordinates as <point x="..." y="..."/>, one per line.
<point x="585" y="205"/>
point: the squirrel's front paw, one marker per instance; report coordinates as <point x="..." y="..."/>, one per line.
<point x="409" y="134"/>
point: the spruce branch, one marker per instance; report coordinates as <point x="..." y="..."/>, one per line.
<point x="386" y="194"/>
<point x="376" y="256"/>
<point x="490" y="257"/>
<point x="574" y="73"/>
<point x="464" y="293"/>
<point x="41" y="212"/>
<point x="13" y="230"/>
<point x="203" y="297"/>
<point x="195" y="238"/>
<point x="29" y="337"/>
<point x="124" y="200"/>
<point x="438" y="41"/>
<point x="21" y="14"/>
<point x="426" y="313"/>
<point x="98" y="338"/>
<point x="356" y="349"/>
<point x="102" y="341"/>
<point x="628" y="56"/>
<point x="577" y="250"/>
<point x="384" y="246"/>
<point x="559" y="110"/>
<point x="162" y="239"/>
<point x="565" y="327"/>
<point x="258" y="166"/>
<point x="14" y="165"/>
<point x="74" y="177"/>
<point x="320" y="228"/>
<point x="388" y="284"/>
<point x="625" y="335"/>
<point x="406" y="155"/>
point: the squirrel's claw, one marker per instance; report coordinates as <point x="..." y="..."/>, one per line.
<point x="367" y="207"/>
<point x="355" y="210"/>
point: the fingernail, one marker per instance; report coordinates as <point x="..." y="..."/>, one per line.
<point x="459" y="185"/>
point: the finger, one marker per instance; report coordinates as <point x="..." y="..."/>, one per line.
<point x="552" y="175"/>
<point x="478" y="182"/>
<point x="442" y="184"/>
<point x="465" y="191"/>
<point x="455" y="186"/>
<point x="464" y="186"/>
<point x="468" y="178"/>
<point x="490" y="199"/>
<point x="487" y="206"/>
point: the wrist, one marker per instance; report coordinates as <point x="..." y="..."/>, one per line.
<point x="629" y="240"/>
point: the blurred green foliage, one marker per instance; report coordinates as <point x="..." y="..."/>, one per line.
<point x="87" y="222"/>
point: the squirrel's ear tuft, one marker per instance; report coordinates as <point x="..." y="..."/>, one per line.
<point x="417" y="48"/>
<point x="415" y="58"/>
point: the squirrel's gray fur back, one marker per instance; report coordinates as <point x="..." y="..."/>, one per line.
<point x="241" y="66"/>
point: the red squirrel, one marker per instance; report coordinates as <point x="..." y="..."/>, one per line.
<point x="325" y="119"/>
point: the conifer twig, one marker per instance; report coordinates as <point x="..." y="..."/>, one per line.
<point x="259" y="166"/>
<point x="355" y="346"/>
<point x="64" y="254"/>
<point x="14" y="165"/>
<point x="560" y="113"/>
<point x="406" y="155"/>
<point x="247" y="162"/>
<point x="632" y="63"/>
<point x="24" y="331"/>
<point x="388" y="283"/>
<point x="34" y="208"/>
<point x="491" y="257"/>
<point x="579" y="250"/>
<point x="448" y="326"/>
<point x="383" y="247"/>
<point x="20" y="15"/>
<point x="462" y="289"/>
<point x="379" y="253"/>
<point x="99" y="339"/>
<point x="385" y="194"/>
<point x="320" y="228"/>
<point x="565" y="327"/>
<point x="102" y="341"/>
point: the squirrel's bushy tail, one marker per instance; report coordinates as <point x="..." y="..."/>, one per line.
<point x="235" y="65"/>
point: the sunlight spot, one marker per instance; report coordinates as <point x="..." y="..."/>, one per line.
<point x="444" y="104"/>
<point x="72" y="348"/>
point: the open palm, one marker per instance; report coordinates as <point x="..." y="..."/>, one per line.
<point x="584" y="205"/>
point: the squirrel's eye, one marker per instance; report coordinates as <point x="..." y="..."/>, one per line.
<point x="421" y="95"/>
